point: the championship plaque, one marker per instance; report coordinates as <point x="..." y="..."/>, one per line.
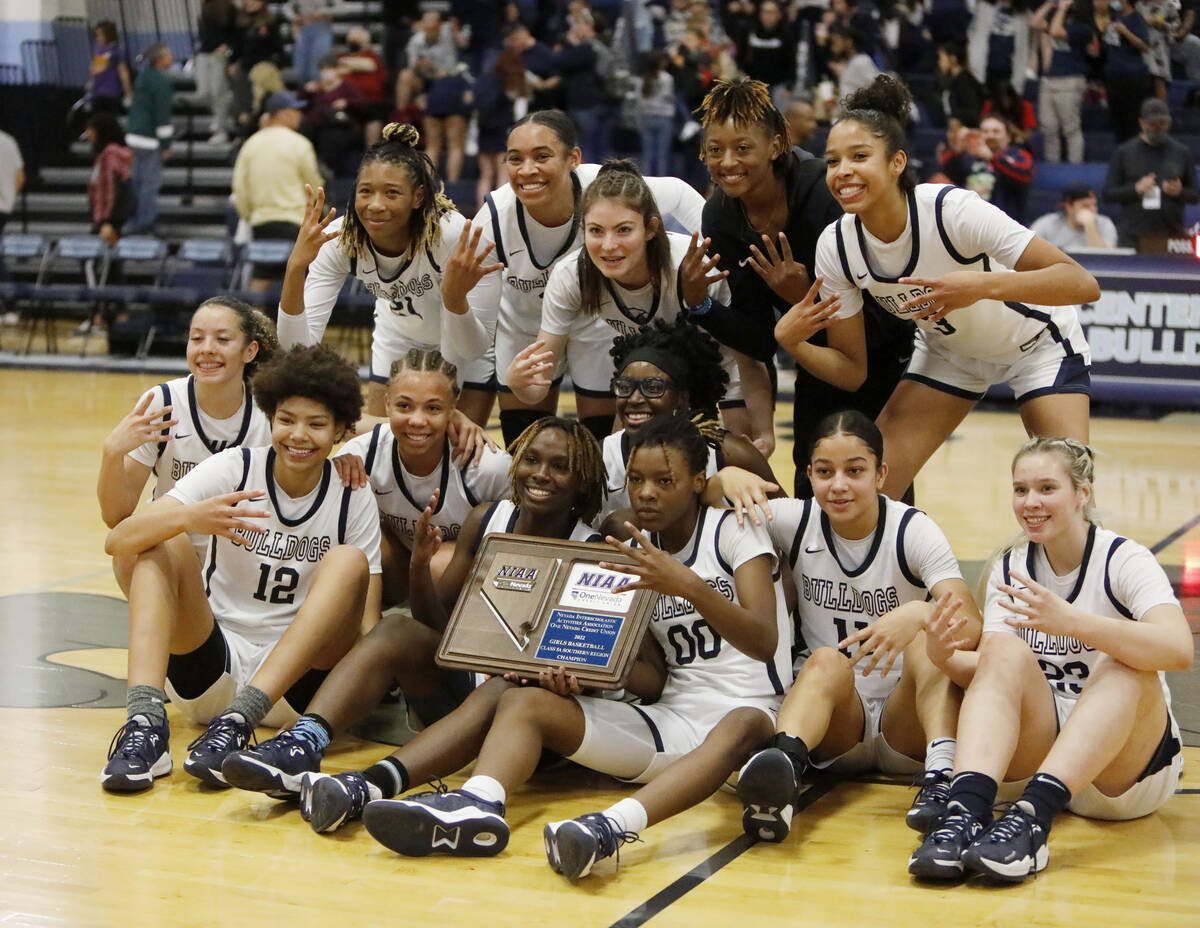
<point x="531" y="603"/>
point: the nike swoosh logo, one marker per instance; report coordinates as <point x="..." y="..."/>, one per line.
<point x="180" y="435"/>
<point x="382" y="492"/>
<point x="813" y="550"/>
<point x="862" y="275"/>
<point x="744" y="261"/>
<point x="516" y="251"/>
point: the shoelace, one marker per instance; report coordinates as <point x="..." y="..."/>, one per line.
<point x="932" y="786"/>
<point x="357" y="789"/>
<point x="131" y="740"/>
<point x="1012" y="823"/>
<point x="223" y="734"/>
<point x="609" y="837"/>
<point x="950" y="826"/>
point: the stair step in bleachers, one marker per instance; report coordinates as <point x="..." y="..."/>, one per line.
<point x="213" y="180"/>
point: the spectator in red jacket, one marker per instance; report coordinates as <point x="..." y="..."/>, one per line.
<point x="1011" y="165"/>
<point x="363" y="67"/>
<point x="110" y="193"/>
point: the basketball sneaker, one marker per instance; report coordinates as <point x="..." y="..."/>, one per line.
<point x="224" y="735"/>
<point x="138" y="753"/>
<point x="940" y="855"/>
<point x="454" y="822"/>
<point x="1011" y="849"/>
<point x="930" y="803"/>
<point x="573" y="847"/>
<point x="769" y="788"/>
<point x="329" y="802"/>
<point x="274" y="766"/>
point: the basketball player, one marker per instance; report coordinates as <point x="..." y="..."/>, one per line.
<point x="716" y="656"/>
<point x="1067" y="684"/>
<point x="940" y="256"/>
<point x="184" y="421"/>
<point x="864" y="567"/>
<point x="397" y="237"/>
<point x="281" y="595"/>
<point x="556" y="486"/>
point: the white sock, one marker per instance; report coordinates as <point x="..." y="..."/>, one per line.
<point x="939" y="754"/>
<point x="629" y="814"/>
<point x="485" y="788"/>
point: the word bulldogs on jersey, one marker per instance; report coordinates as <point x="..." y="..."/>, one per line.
<point x="416" y="287"/>
<point x="405" y="528"/>
<point x="529" y="284"/>
<point x="672" y="607"/>
<point x="843" y="597"/>
<point x="284" y="546"/>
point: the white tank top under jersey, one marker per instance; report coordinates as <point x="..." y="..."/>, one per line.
<point x="407" y="290"/>
<point x="949" y="229"/>
<point x="402" y="497"/>
<point x="529" y="250"/>
<point x="615" y="455"/>
<point x="1118" y="578"/>
<point x="256" y="590"/>
<point x="501" y="519"/>
<point x="842" y="586"/>
<point x="198" y="436"/>
<point x="700" y="664"/>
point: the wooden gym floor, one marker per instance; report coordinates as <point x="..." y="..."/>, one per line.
<point x="182" y="855"/>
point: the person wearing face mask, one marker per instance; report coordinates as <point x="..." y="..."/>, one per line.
<point x="363" y="67"/>
<point x="333" y="121"/>
<point x="1152" y="176"/>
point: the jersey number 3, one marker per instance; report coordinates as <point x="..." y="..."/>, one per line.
<point x="284" y="590"/>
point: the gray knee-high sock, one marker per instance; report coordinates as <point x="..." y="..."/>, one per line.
<point x="148" y="701"/>
<point x="251" y="703"/>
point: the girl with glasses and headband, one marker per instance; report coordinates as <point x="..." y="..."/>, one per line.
<point x="1067" y="686"/>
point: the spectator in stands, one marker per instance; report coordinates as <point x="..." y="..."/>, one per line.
<point x="110" y="190"/>
<point x="398" y="19"/>
<point x="652" y="102"/>
<point x="363" y="67"/>
<point x="767" y="52"/>
<point x="1013" y="108"/>
<point x="312" y="37"/>
<point x="432" y="53"/>
<point x="333" y="118"/>
<point x="583" y="88"/>
<point x="1162" y="19"/>
<point x="801" y="121"/>
<point x="1011" y="164"/>
<point x="541" y="64"/>
<point x="999" y="40"/>
<point x="1062" y="54"/>
<point x="258" y="56"/>
<point x="148" y="132"/>
<point x="947" y="20"/>
<point x="853" y="67"/>
<point x="109" y="84"/>
<point x="12" y="180"/>
<point x="270" y="175"/>
<point x="1153" y="177"/>
<point x="1185" y="44"/>
<point x="217" y="35"/>
<point x="1126" y="78"/>
<point x="1077" y="223"/>
<point x="449" y="100"/>
<point x="962" y="94"/>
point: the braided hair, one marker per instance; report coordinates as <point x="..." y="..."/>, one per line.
<point x="584" y="457"/>
<point x="746" y="102"/>
<point x="422" y="360"/>
<point x="675" y="432"/>
<point x="399" y="146"/>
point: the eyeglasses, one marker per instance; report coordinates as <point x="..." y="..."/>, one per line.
<point x="650" y="387"/>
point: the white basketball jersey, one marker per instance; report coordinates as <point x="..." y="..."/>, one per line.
<point x="700" y="663"/>
<point x="615" y="455"/>
<point x="949" y="229"/>
<point x="501" y="519"/>
<point x="407" y="289"/>
<point x="198" y="436"/>
<point x="843" y="586"/>
<point x="1118" y="578"/>
<point x="256" y="589"/>
<point x="402" y="497"/>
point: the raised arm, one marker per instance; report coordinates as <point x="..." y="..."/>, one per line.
<point x="307" y="299"/>
<point x="122" y="479"/>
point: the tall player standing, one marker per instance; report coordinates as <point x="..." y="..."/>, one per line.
<point x="249" y="637"/>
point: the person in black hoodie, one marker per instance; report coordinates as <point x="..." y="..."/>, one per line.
<point x="768" y="50"/>
<point x="764" y="219"/>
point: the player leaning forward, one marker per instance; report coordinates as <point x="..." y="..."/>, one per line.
<point x="247" y="636"/>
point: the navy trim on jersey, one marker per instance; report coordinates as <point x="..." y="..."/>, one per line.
<point x="487" y="517"/>
<point x="913" y="256"/>
<point x="1004" y="569"/>
<point x="1083" y="566"/>
<point x="719" y="451"/>
<point x="794" y="551"/>
<point x="717" y="542"/>
<point x="496" y="236"/>
<point x="212" y="565"/>
<point x="637" y="316"/>
<point x="213" y="446"/>
<point x="577" y="189"/>
<point x="372" y="447"/>
<point x="654" y="732"/>
<point x="876" y="540"/>
<point x="512" y="520"/>
<point x="843" y="258"/>
<point x="1031" y="313"/>
<point x="943" y="387"/>
<point x="378" y="273"/>
<point x="322" y="489"/>
<point x="901" y="560"/>
<point x="398" y="470"/>
<point x="1120" y="607"/>
<point x="942" y="234"/>
<point x="691" y="558"/>
<point x="166" y="433"/>
<point x="462" y="473"/>
<point x="245" y="470"/>
<point x="679" y="290"/>
<point x="343" y="515"/>
<point x="433" y="263"/>
<point x="773" y="676"/>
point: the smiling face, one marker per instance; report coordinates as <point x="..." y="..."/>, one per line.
<point x="636" y="410"/>
<point x="661" y="489"/>
<point x="540" y="166"/>
<point x="217" y="349"/>
<point x="739" y="158"/>
<point x="419" y="405"/>
<point x="858" y="171"/>
<point x="1047" y="505"/>
<point x="846" y="479"/>
<point x="384" y="199"/>
<point x="615" y="237"/>
<point x="995" y="134"/>
<point x="303" y="432"/>
<point x="544" y="481"/>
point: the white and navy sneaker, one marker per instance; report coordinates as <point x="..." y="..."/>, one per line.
<point x="573" y="847"/>
<point x="940" y="855"/>
<point x="329" y="801"/>
<point x="224" y="735"/>
<point x="769" y="790"/>
<point x="454" y="822"/>
<point x="138" y="753"/>
<point x="1011" y="849"/>
<point x="930" y="803"/>
<point x="274" y="766"/>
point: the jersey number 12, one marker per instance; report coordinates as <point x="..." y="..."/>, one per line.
<point x="284" y="591"/>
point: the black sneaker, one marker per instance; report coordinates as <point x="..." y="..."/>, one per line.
<point x="1011" y="849"/>
<point x="138" y="753"/>
<point x="274" y="766"/>
<point x="769" y="790"/>
<point x="930" y="804"/>
<point x="328" y="802"/>
<point x="573" y="847"/>
<point x="224" y="735"/>
<point x="455" y="822"/>
<point x="940" y="855"/>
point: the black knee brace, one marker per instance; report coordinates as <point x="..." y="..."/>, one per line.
<point x="515" y="421"/>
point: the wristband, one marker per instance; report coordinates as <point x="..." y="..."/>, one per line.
<point x="701" y="308"/>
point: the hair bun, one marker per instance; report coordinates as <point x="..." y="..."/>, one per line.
<point x="622" y="165"/>
<point x="886" y="94"/>
<point x="403" y="133"/>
